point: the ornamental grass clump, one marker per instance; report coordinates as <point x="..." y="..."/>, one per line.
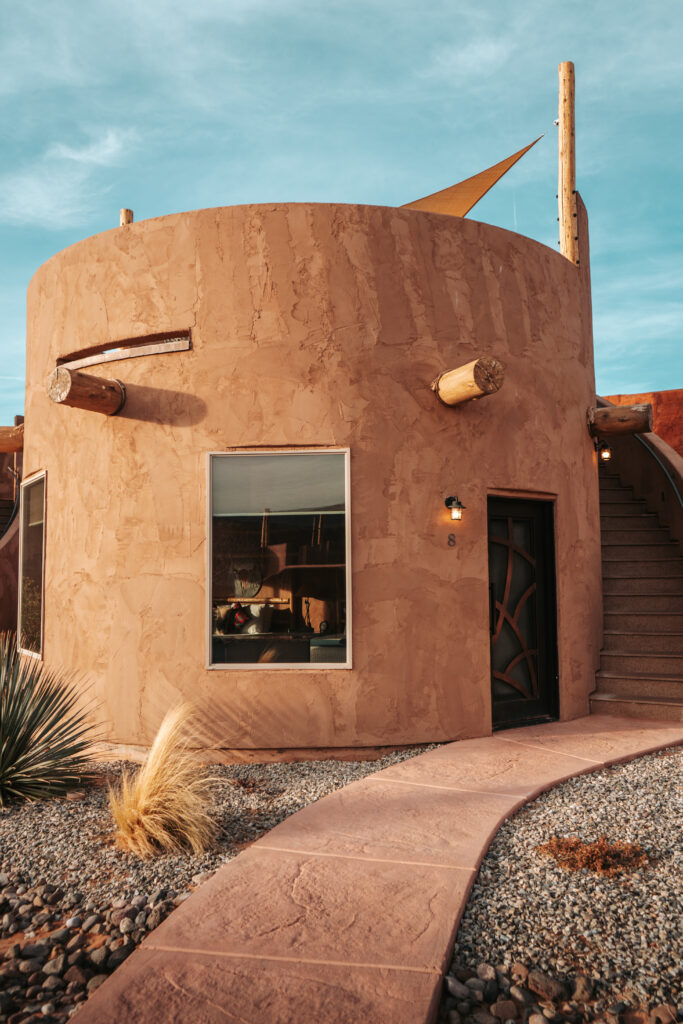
<point x="46" y="737"/>
<point x="164" y="808"/>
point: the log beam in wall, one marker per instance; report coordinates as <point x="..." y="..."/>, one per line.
<point x="620" y="419"/>
<point x="483" y="376"/>
<point x="83" y="391"/>
<point x="12" y="439"/>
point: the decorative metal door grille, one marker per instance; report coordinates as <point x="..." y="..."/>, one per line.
<point x="523" y="678"/>
<point x="514" y="669"/>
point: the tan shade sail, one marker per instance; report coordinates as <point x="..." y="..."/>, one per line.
<point x="458" y="200"/>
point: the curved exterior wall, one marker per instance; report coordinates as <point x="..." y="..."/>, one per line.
<point x="312" y="325"/>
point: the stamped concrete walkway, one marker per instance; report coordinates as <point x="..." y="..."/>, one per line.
<point x="346" y="913"/>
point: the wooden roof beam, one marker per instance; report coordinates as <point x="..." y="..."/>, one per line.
<point x="84" y="391"/>
<point x="483" y="376"/>
<point x="12" y="439"/>
<point x="619" y="419"/>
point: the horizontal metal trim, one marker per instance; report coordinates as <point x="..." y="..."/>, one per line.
<point x="129" y="349"/>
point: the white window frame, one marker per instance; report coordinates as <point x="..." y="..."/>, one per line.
<point x="277" y="666"/>
<point x="25" y="484"/>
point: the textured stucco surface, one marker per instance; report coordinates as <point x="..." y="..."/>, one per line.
<point x="312" y="325"/>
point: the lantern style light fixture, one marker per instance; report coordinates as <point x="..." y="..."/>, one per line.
<point x="456" y="507"/>
<point x="604" y="451"/>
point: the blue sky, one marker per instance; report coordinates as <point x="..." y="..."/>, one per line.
<point x="165" y="105"/>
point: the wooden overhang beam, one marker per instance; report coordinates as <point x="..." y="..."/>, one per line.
<point x="483" y="376"/>
<point x="619" y="419"/>
<point x="12" y="439"/>
<point x="84" y="391"/>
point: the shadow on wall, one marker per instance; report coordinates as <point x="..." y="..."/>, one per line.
<point x="159" y="405"/>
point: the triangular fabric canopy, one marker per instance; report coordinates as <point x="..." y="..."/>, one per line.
<point x="458" y="200"/>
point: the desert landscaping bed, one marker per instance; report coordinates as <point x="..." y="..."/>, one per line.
<point x="73" y="907"/>
<point x="599" y="947"/>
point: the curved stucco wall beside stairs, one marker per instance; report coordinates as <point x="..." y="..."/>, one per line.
<point x="311" y="325"/>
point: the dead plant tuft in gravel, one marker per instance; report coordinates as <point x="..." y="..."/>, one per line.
<point x="601" y="856"/>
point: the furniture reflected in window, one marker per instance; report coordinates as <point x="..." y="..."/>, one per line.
<point x="279" y="566"/>
<point x="31" y="561"/>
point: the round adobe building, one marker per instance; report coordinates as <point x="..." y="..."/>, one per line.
<point x="246" y="336"/>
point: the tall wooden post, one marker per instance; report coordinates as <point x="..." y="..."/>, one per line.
<point x="566" y="190"/>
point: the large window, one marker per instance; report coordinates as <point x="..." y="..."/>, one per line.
<point x="279" y="559"/>
<point x="30" y="627"/>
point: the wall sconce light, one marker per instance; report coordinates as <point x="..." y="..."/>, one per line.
<point x="604" y="451"/>
<point x="456" y="507"/>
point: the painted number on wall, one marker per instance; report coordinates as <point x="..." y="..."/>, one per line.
<point x="451" y="540"/>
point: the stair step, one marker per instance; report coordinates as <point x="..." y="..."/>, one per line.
<point x="605" y="490"/>
<point x="633" y="595"/>
<point x="624" y="508"/>
<point x="645" y="663"/>
<point x="641" y="521"/>
<point x="668" y="710"/>
<point x="640" y="642"/>
<point x="641" y="552"/>
<point x="614" y="537"/>
<point x="638" y="685"/>
<point x="632" y="568"/>
<point x="609" y="482"/>
<point x="645" y="620"/>
<point x="624" y="496"/>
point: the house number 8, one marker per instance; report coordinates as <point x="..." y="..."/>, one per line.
<point x="451" y="540"/>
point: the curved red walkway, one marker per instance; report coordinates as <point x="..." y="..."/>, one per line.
<point x="346" y="913"/>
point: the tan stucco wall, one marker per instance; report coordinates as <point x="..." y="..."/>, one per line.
<point x="312" y="325"/>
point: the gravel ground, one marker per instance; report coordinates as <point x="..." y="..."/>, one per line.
<point x="624" y="932"/>
<point x="70" y="843"/>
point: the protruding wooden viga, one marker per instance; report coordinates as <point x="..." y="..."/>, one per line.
<point x="483" y="376"/>
<point x="620" y="419"/>
<point x="12" y="439"/>
<point x="83" y="391"/>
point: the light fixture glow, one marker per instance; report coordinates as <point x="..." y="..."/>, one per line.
<point x="604" y="451"/>
<point x="456" y="507"/>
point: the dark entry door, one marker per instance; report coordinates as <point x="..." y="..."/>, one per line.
<point x="522" y="609"/>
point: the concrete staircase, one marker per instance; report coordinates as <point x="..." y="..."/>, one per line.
<point x="641" y="664"/>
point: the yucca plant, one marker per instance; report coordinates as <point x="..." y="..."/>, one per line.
<point x="46" y="736"/>
<point x="164" y="808"/>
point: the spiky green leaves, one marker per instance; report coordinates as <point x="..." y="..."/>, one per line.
<point x="45" y="732"/>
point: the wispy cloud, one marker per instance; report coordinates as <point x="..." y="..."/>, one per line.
<point x="106" y="150"/>
<point x="59" y="188"/>
<point x="638" y="328"/>
<point x="475" y="59"/>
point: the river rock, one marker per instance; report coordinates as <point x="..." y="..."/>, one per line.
<point x="456" y="988"/>
<point x="504" y="1009"/>
<point x="545" y="986"/>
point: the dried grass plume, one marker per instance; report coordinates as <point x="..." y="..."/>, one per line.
<point x="164" y="808"/>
